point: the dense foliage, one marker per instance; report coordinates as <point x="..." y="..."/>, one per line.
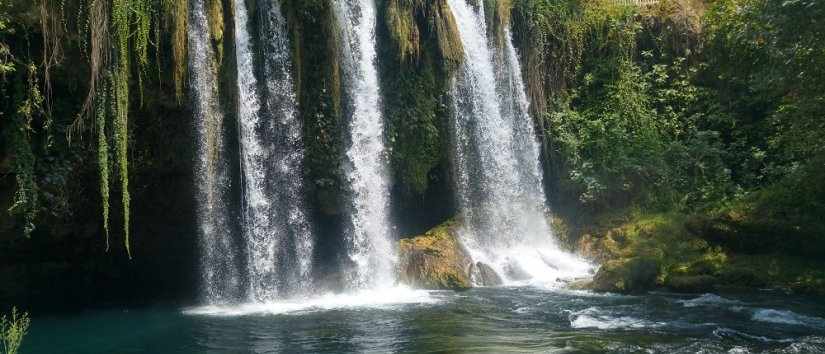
<point x="686" y="105"/>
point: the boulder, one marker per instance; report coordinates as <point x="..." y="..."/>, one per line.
<point x="484" y="275"/>
<point x="435" y="260"/>
<point x="634" y="275"/>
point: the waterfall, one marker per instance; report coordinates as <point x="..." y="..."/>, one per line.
<point x="369" y="238"/>
<point x="220" y="276"/>
<point x="285" y="133"/>
<point x="496" y="160"/>
<point x="260" y="233"/>
<point x="276" y="236"/>
<point x="278" y="240"/>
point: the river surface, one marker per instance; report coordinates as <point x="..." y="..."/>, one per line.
<point x="491" y="320"/>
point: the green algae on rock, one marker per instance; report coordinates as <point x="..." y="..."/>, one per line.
<point x="435" y="260"/>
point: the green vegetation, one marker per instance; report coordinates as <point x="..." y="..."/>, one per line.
<point x="12" y="330"/>
<point x="25" y="197"/>
<point x="421" y="38"/>
<point x="685" y="254"/>
<point x="709" y="109"/>
<point x="318" y="82"/>
<point x="681" y="106"/>
<point x="114" y="39"/>
<point x="103" y="159"/>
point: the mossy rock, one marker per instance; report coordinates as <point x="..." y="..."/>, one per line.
<point x="634" y="275"/>
<point x="435" y="260"/>
<point x="691" y="283"/>
<point x="566" y="235"/>
<point x="741" y="277"/>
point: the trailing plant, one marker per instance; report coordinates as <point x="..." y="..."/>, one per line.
<point x="121" y="137"/>
<point x="127" y="25"/>
<point x="142" y="12"/>
<point x="51" y="24"/>
<point x="95" y="37"/>
<point x="103" y="154"/>
<point x="26" y="203"/>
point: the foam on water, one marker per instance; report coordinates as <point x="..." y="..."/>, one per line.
<point x="594" y="317"/>
<point x="708" y="300"/>
<point x="588" y="293"/>
<point x="738" y="350"/>
<point x="381" y="298"/>
<point x="544" y="267"/>
<point x="732" y="334"/>
<point x="786" y="317"/>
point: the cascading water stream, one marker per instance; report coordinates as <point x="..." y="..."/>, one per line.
<point x="257" y="207"/>
<point x="276" y="234"/>
<point x="496" y="161"/>
<point x="370" y="248"/>
<point x="279" y="244"/>
<point x="220" y="276"/>
<point x="287" y="152"/>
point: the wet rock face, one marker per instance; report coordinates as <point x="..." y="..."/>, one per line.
<point x="435" y="260"/>
<point x="484" y="275"/>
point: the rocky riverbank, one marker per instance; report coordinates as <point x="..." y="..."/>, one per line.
<point x="642" y="252"/>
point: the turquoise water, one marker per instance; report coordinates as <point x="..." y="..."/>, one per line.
<point x="494" y="320"/>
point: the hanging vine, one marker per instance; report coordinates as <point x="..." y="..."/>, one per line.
<point x="119" y="33"/>
<point x="26" y="203"/>
<point x="121" y="124"/>
<point x="52" y="26"/>
<point x="103" y="156"/>
<point x="143" y="18"/>
<point x="120" y="18"/>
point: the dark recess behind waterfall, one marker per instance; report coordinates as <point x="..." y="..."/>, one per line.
<point x="64" y="266"/>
